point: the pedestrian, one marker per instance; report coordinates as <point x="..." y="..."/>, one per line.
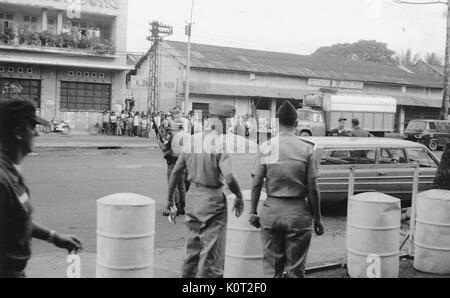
<point x="358" y="132"/>
<point x="105" y="121"/>
<point x="113" y="123"/>
<point x="171" y="156"/>
<point x="124" y="117"/>
<point x="287" y="217"/>
<point x="206" y="204"/>
<point x="18" y="122"/>
<point x="340" y="131"/>
<point x="136" y="121"/>
<point x="129" y="129"/>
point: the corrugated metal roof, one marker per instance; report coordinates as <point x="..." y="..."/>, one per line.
<point x="235" y="59"/>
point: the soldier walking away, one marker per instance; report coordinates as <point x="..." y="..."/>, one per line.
<point x="18" y="122"/>
<point x="358" y="132"/>
<point x="287" y="216"/>
<point x="206" y="204"/>
<point x="179" y="194"/>
<point x="340" y="131"/>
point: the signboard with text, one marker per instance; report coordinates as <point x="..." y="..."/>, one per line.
<point x="336" y="84"/>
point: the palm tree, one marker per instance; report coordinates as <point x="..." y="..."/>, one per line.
<point x="434" y="59"/>
<point x="407" y="58"/>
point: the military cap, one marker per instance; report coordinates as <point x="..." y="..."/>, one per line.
<point x="224" y="110"/>
<point x="17" y="109"/>
<point x="287" y="111"/>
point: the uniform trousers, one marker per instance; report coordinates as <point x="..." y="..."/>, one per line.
<point x="286" y="234"/>
<point x="206" y="222"/>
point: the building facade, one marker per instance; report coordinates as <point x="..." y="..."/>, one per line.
<point x="258" y="82"/>
<point x="69" y="57"/>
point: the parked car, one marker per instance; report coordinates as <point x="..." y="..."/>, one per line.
<point x="334" y="155"/>
<point x="432" y="133"/>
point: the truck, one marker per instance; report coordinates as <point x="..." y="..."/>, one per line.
<point x="321" y="112"/>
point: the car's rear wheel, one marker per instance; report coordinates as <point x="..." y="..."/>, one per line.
<point x="305" y="134"/>
<point x="434" y="145"/>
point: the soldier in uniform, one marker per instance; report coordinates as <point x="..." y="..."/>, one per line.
<point x="358" y="132"/>
<point x="18" y="122"/>
<point x="171" y="156"/>
<point x="206" y="205"/>
<point x="340" y="131"/>
<point x="287" y="216"/>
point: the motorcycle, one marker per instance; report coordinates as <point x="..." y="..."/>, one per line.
<point x="61" y="127"/>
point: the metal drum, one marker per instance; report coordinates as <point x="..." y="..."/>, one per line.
<point x="373" y="236"/>
<point x="125" y="236"/>
<point x="432" y="241"/>
<point x="244" y="252"/>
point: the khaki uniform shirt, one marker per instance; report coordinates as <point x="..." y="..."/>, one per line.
<point x="288" y="175"/>
<point x="206" y="165"/>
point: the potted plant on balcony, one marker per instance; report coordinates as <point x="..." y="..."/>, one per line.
<point x="104" y="48"/>
<point x="84" y="43"/>
<point x="47" y="39"/>
<point x="8" y="35"/>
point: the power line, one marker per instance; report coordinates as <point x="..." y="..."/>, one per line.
<point x="420" y="3"/>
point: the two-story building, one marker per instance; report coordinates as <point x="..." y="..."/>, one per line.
<point x="68" y="56"/>
<point x="260" y="80"/>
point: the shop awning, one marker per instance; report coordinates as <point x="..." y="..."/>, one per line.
<point x="248" y="91"/>
<point x="62" y="62"/>
<point x="418" y="102"/>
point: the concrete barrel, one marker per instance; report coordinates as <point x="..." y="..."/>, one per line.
<point x="373" y="236"/>
<point x="432" y="241"/>
<point x="125" y="236"/>
<point x="244" y="251"/>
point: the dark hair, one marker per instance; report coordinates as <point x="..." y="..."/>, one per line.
<point x="288" y="121"/>
<point x="355" y="122"/>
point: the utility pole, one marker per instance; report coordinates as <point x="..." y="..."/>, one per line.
<point x="157" y="31"/>
<point x="446" y="99"/>
<point x="188" y="62"/>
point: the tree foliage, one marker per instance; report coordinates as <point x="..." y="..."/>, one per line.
<point x="434" y="59"/>
<point x="363" y="50"/>
<point x="407" y="58"/>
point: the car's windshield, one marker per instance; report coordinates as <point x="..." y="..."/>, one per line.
<point x="310" y="116"/>
<point x="417" y="125"/>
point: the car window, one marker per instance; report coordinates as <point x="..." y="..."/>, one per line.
<point x="347" y="157"/>
<point x="420" y="156"/>
<point x="432" y="126"/>
<point x="392" y="156"/>
<point x="444" y="127"/>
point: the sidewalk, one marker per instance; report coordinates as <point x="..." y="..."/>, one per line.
<point x="57" y="141"/>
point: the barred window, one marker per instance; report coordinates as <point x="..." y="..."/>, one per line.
<point x="27" y="89"/>
<point x="85" y="96"/>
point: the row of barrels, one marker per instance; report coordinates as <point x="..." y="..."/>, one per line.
<point x="126" y="236"/>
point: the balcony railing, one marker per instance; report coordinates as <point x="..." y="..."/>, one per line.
<point x="69" y="41"/>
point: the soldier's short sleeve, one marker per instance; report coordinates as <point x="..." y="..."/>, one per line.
<point x="225" y="164"/>
<point x="312" y="171"/>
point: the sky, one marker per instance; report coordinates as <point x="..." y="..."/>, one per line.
<point x="293" y="26"/>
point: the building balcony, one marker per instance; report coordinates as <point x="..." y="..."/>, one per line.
<point x="58" y="44"/>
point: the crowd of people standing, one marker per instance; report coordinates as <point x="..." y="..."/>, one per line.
<point x="129" y="124"/>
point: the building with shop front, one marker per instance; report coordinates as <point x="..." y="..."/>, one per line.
<point x="260" y="81"/>
<point x="69" y="57"/>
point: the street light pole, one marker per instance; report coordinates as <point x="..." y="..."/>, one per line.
<point x="446" y="99"/>
<point x="188" y="63"/>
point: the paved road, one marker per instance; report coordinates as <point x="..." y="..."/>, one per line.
<point x="65" y="185"/>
